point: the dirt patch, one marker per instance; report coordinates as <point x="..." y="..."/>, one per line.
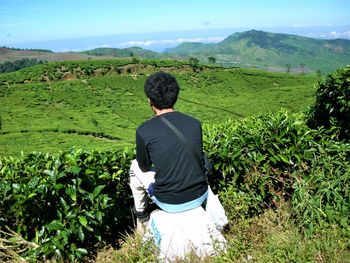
<point x="68" y="76"/>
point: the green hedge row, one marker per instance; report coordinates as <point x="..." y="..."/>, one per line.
<point x="68" y="202"/>
<point x="55" y="71"/>
<point x="260" y="161"/>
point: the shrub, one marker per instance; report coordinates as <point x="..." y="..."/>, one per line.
<point x="69" y="203"/>
<point x="260" y="161"/>
<point x="65" y="203"/>
<point x="10" y="66"/>
<point x="260" y="155"/>
<point x="332" y="106"/>
<point x="321" y="196"/>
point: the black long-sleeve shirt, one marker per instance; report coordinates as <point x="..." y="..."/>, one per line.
<point x="178" y="177"/>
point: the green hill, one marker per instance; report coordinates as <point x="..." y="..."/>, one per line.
<point x="99" y="104"/>
<point x="125" y="52"/>
<point x="272" y="52"/>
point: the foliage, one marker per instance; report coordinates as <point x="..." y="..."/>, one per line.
<point x="272" y="236"/>
<point x="133" y="249"/>
<point x="65" y="203"/>
<point x="69" y="70"/>
<point x="321" y="198"/>
<point x="106" y="100"/>
<point x="260" y="154"/>
<point x="125" y="52"/>
<point x="68" y="203"/>
<point x="271" y="51"/>
<point x="212" y="60"/>
<point x="10" y="66"/>
<point x="262" y="161"/>
<point x="25" y="49"/>
<point x="332" y="106"/>
<point x="275" y="236"/>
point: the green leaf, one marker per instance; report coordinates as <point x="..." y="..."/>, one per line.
<point x="99" y="216"/>
<point x="89" y="228"/>
<point x="284" y="158"/>
<point x="83" y="221"/>
<point x="72" y="192"/>
<point x="81" y="234"/>
<point x="90" y="171"/>
<point x="54" y="225"/>
<point x="64" y="204"/>
<point x="31" y="195"/>
<point x="82" y="251"/>
<point x="15" y="239"/>
<point x="75" y="170"/>
<point x="98" y="190"/>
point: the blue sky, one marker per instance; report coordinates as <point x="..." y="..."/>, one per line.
<point x="35" y="21"/>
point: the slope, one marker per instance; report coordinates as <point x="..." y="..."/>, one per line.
<point x="272" y="51"/>
<point x="102" y="111"/>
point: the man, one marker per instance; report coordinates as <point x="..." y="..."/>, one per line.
<point x="164" y="168"/>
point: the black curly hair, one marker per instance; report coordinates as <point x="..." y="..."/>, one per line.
<point x="162" y="89"/>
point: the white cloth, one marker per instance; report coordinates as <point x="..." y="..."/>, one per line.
<point x="177" y="234"/>
<point x="139" y="183"/>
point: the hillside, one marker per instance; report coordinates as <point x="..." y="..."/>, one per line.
<point x="10" y="54"/>
<point x="272" y="52"/>
<point x="99" y="104"/>
<point x="250" y="49"/>
<point x="125" y="52"/>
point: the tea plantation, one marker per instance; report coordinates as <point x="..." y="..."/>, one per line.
<point x="281" y="173"/>
<point x="99" y="104"/>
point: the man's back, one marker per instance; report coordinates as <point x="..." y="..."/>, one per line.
<point x="178" y="177"/>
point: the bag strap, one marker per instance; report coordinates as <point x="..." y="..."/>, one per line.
<point x="183" y="139"/>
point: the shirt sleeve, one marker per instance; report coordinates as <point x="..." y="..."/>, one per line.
<point x="142" y="155"/>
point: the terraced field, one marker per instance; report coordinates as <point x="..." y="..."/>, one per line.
<point x="99" y="104"/>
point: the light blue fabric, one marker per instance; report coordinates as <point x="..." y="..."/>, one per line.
<point x="177" y="208"/>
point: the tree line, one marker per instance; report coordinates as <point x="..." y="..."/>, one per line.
<point x="10" y="66"/>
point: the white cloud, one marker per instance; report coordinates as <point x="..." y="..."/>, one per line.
<point x="69" y="50"/>
<point x="345" y="34"/>
<point x="331" y="35"/>
<point x="172" y="41"/>
<point x="98" y="46"/>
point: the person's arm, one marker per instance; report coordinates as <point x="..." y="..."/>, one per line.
<point x="142" y="156"/>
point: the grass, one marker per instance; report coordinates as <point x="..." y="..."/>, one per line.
<point x="115" y="104"/>
<point x="273" y="236"/>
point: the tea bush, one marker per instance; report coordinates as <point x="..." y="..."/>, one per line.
<point x="65" y="203"/>
<point x="260" y="155"/>
<point x="260" y="160"/>
<point x="70" y="202"/>
<point x="332" y="106"/>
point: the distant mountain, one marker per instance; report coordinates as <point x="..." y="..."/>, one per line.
<point x="271" y="51"/>
<point x="13" y="54"/>
<point x="5" y="49"/>
<point x="125" y="52"/>
<point x="256" y="49"/>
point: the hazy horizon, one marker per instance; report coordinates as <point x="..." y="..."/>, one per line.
<point x="162" y="40"/>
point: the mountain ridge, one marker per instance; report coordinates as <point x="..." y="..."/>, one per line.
<point x="262" y="49"/>
<point x="251" y="49"/>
